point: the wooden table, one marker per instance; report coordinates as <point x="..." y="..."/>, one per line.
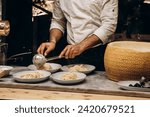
<point x="14" y="93"/>
<point x="96" y="87"/>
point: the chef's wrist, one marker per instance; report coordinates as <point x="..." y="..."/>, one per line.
<point x="53" y="41"/>
<point x="82" y="46"/>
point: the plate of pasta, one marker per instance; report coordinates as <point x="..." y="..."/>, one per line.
<point x="51" y="67"/>
<point x="68" y="77"/>
<point x="84" y="68"/>
<point x="31" y="76"/>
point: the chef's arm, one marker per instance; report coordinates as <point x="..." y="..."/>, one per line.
<point x="89" y="42"/>
<point x="55" y="35"/>
<point x="58" y="23"/>
<point x="71" y="51"/>
<point x="108" y="17"/>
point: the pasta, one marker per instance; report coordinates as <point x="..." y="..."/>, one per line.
<point x="31" y="75"/>
<point x="69" y="76"/>
<point x="80" y="67"/>
<point x="46" y="66"/>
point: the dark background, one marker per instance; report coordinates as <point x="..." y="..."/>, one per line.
<point x="20" y="40"/>
<point x="27" y="33"/>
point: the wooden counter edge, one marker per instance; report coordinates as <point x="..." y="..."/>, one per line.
<point x="28" y="94"/>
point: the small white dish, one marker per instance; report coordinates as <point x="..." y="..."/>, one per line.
<point x="44" y="76"/>
<point x="89" y="68"/>
<point x="55" y="67"/>
<point x="5" y="67"/>
<point x="125" y="85"/>
<point x="57" y="77"/>
<point x="5" y="70"/>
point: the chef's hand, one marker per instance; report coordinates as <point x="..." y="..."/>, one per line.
<point x="46" y="47"/>
<point x="71" y="51"/>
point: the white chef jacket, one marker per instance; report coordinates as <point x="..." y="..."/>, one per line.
<point x="83" y="18"/>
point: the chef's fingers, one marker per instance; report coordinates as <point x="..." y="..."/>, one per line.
<point x="67" y="54"/>
<point x="48" y="50"/>
<point x="63" y="52"/>
<point x="72" y="53"/>
<point x="41" y="49"/>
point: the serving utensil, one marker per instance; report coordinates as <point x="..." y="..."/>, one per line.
<point x="39" y="60"/>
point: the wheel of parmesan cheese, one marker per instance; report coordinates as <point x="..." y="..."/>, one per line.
<point x="127" y="60"/>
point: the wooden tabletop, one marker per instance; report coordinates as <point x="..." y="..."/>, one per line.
<point x="28" y="94"/>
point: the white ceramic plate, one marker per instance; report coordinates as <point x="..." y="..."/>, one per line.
<point x="90" y="68"/>
<point x="6" y="70"/>
<point x="45" y="76"/>
<point x="5" y="67"/>
<point x="57" y="77"/>
<point x="55" y="67"/>
<point x="125" y="85"/>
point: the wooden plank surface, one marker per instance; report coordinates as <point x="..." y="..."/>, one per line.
<point x="12" y="93"/>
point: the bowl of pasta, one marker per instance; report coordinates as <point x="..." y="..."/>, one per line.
<point x="68" y="77"/>
<point x="51" y="67"/>
<point x="31" y="76"/>
<point x="83" y="68"/>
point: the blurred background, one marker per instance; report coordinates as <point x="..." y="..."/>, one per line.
<point x="30" y="21"/>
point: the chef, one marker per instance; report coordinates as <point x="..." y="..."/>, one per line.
<point x="89" y="24"/>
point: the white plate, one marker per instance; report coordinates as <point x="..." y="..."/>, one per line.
<point x="5" y="67"/>
<point x="125" y="85"/>
<point x="55" y="67"/>
<point x="6" y="70"/>
<point x="90" y="68"/>
<point x="45" y="76"/>
<point x="56" y="77"/>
